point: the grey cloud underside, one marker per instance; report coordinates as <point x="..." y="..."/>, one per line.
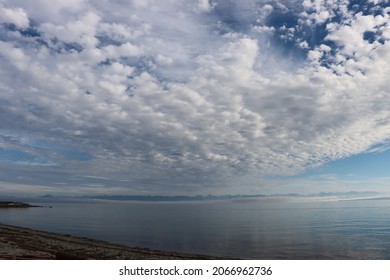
<point x="191" y="93"/>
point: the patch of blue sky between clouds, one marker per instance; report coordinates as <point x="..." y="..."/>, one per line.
<point x="60" y="149"/>
<point x="22" y="158"/>
<point x="364" y="165"/>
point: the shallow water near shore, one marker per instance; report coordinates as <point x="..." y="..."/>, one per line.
<point x="256" y="229"/>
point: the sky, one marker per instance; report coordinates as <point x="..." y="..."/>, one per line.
<point x="194" y="97"/>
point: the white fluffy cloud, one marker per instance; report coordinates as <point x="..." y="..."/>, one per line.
<point x="17" y="16"/>
<point x="204" y="5"/>
<point x="161" y="94"/>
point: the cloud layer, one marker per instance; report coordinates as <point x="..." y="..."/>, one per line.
<point x="187" y="94"/>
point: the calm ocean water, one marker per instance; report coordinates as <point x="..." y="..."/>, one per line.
<point x="258" y="229"/>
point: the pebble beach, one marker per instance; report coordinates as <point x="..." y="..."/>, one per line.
<point x="18" y="243"/>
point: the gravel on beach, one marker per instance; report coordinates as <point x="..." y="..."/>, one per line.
<point x="18" y="243"/>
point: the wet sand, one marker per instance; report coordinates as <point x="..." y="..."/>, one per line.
<point x="18" y="243"/>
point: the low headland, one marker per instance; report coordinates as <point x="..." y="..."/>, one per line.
<point x="15" y="204"/>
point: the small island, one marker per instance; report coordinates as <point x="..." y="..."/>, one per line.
<point x="14" y="204"/>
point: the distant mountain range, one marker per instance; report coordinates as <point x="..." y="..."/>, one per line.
<point x="227" y="197"/>
<point x="171" y="198"/>
<point x="50" y="197"/>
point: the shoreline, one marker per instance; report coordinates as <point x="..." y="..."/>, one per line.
<point x="18" y="243"/>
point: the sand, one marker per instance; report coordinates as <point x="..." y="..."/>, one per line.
<point x="18" y="243"/>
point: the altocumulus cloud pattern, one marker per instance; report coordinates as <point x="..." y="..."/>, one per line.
<point x="167" y="95"/>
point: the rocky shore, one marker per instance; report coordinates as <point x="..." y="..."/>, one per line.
<point x="18" y="243"/>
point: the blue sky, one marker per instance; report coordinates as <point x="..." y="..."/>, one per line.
<point x="194" y="97"/>
<point x="370" y="165"/>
